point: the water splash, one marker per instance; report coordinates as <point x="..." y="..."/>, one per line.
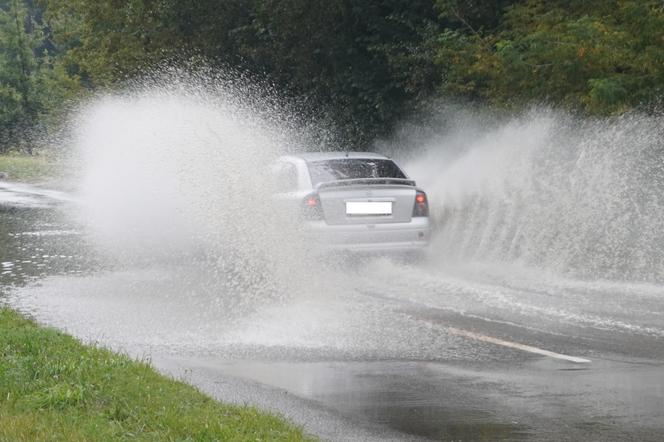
<point x="546" y="190"/>
<point x="178" y="168"/>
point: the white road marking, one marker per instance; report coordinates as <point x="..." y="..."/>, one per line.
<point x="517" y="346"/>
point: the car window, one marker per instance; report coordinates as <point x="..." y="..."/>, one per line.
<point x="285" y="176"/>
<point x="351" y="168"/>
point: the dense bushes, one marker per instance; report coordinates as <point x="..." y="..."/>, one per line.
<point x="356" y="65"/>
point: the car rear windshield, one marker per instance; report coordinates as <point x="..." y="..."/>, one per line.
<point x="352" y="168"/>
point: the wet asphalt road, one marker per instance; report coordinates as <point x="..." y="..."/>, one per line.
<point x="375" y="351"/>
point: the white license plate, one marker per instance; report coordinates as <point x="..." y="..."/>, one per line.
<point x="368" y="207"/>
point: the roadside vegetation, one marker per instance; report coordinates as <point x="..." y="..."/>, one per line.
<point x="357" y="66"/>
<point x="53" y="388"/>
<point x="27" y="168"/>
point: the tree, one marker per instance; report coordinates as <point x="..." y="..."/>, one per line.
<point x="595" y="56"/>
<point x="31" y="83"/>
<point x="17" y="65"/>
<point x="355" y="65"/>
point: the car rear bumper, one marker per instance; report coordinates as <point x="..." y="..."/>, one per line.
<point x="371" y="238"/>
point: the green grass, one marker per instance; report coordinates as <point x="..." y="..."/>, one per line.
<point x="53" y="388"/>
<point x="28" y="168"/>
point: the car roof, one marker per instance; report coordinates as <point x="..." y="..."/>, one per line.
<point x="322" y="156"/>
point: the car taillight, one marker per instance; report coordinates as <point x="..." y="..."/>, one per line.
<point x="421" y="207"/>
<point x="311" y="207"/>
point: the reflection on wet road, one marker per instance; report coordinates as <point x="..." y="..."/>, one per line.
<point x="378" y="350"/>
<point x="35" y="239"/>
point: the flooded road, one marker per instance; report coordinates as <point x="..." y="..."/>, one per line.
<point x="376" y="350"/>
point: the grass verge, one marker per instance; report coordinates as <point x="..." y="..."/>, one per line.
<point x="28" y="168"/>
<point x="54" y="388"/>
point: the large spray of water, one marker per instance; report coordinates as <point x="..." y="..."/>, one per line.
<point x="578" y="197"/>
<point x="178" y="169"/>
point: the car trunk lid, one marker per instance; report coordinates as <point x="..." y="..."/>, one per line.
<point x="367" y="201"/>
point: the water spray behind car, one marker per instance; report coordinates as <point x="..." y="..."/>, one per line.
<point x="179" y="169"/>
<point x="545" y="190"/>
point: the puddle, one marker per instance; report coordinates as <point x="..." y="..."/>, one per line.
<point x="409" y="397"/>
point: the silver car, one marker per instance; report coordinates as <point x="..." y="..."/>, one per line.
<point x="354" y="201"/>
